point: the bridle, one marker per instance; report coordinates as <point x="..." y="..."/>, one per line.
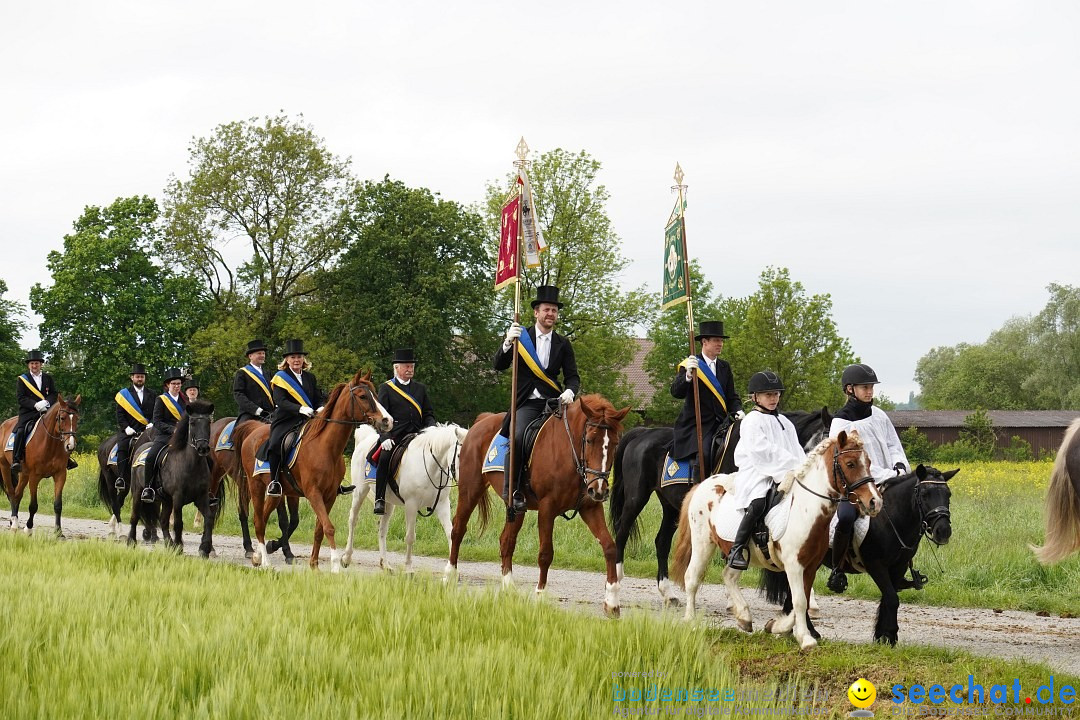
<point x="583" y="470"/>
<point x="931" y="518"/>
<point x="847" y="490"/>
<point x="192" y="441"/>
<point x="353" y="399"/>
<point x="64" y="412"/>
<point x="446" y="475"/>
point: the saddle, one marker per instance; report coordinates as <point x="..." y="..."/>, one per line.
<point x="288" y="442"/>
<point x="396" y="453"/>
<point x="760" y="534"/>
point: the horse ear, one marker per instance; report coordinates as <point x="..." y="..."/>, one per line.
<point x="841" y="438"/>
<point x="622" y="414"/>
<point x="589" y="412"/>
<point x="826" y="416"/>
<point x="948" y="475"/>
<point x="920" y="471"/>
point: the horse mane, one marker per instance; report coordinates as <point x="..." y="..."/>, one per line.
<point x="199" y="407"/>
<point x="854" y="443"/>
<point x="601" y="406"/>
<point x="331" y="403"/>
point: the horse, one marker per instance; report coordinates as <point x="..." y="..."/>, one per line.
<point x="916" y="504"/>
<point x="836" y="469"/>
<point x="185" y="479"/>
<point x="1063" y="501"/>
<point x="47" y="454"/>
<point x="221" y="464"/>
<point x="637" y="474"/>
<point x="318" y="468"/>
<point x="107" y="474"/>
<point x="571" y="460"/>
<point x="428" y="469"/>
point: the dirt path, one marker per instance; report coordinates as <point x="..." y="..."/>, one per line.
<point x="1010" y="634"/>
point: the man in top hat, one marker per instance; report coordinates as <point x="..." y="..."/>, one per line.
<point x="297" y="398"/>
<point x="716" y="394"/>
<point x="407" y="402"/>
<point x="251" y="387"/>
<point x="134" y="408"/>
<point x="35" y="393"/>
<point x="169" y="409"/>
<point x="191" y="389"/>
<point x="542" y="356"/>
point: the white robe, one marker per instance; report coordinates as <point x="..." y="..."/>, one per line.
<point x="880" y="440"/>
<point x="766" y="452"/>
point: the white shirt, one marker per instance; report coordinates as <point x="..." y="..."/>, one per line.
<point x="879" y="439"/>
<point x="259" y="369"/>
<point x="543" y="353"/>
<point x="711" y="363"/>
<point x="767" y="451"/>
<point x="36" y="379"/>
<point x="139" y="392"/>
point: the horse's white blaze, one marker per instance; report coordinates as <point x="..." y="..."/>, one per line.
<point x="603" y="460"/>
<point x="335" y="560"/>
<point x="611" y="595"/>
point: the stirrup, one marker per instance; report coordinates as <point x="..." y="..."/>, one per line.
<point x="519" y="504"/>
<point x="273" y="489"/>
<point x="120" y="484"/>
<point x="837" y="581"/>
<point x="380" y="506"/>
<point x="345" y="489"/>
<point x="148" y="495"/>
<point x="739" y="559"/>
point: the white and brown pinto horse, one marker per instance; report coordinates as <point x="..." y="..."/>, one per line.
<point x="837" y="469"/>
<point x="1063" y="501"/>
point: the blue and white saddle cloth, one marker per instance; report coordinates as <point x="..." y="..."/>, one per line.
<point x="262" y="467"/>
<point x="224" y="441"/>
<point x="675" y="472"/>
<point x="495" y="457"/>
<point x="9" y="446"/>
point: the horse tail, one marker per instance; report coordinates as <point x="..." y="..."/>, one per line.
<point x="485" y="508"/>
<point x="103" y="488"/>
<point x="684" y="544"/>
<point x="618" y="489"/>
<point x="774" y="586"/>
<point x="1062" y="505"/>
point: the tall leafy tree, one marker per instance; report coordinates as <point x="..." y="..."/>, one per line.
<point x="110" y="304"/>
<point x="12" y="325"/>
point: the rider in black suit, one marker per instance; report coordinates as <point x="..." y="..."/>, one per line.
<point x="251" y="387"/>
<point x="290" y="412"/>
<point x="128" y="425"/>
<point x="169" y="408"/>
<point x="35" y="393"/>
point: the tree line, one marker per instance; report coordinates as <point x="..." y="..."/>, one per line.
<point x="270" y="235"/>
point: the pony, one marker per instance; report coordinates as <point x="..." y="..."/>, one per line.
<point x="318" y="468"/>
<point x="637" y="475"/>
<point x="571" y="461"/>
<point x="1063" y="501"/>
<point x="916" y="504"/>
<point x="185" y="479"/>
<point x="428" y="470"/>
<point x="837" y="469"/>
<point x="47" y="454"/>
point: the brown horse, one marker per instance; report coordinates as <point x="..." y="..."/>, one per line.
<point x="571" y="461"/>
<point x="1063" y="501"/>
<point x="47" y="455"/>
<point x="319" y="466"/>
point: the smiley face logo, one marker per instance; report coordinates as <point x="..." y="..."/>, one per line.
<point x="862" y="693"/>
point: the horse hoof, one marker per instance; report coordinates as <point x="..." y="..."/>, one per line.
<point x="28" y="530"/>
<point x="248" y="553"/>
<point x="289" y="560"/>
<point x="272" y="547"/>
<point x="612" y="612"/>
<point x="748" y="625"/>
<point x="808" y="644"/>
<point x="672" y="602"/>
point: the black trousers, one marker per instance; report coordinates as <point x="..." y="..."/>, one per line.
<point x="846" y="515"/>
<point x="526" y="413"/>
<point x="156" y="448"/>
<point x="123" y="455"/>
<point x="22" y="428"/>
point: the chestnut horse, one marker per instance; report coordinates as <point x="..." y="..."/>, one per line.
<point x="319" y="466"/>
<point x="47" y="455"/>
<point x="837" y="469"/>
<point x="571" y="461"/>
<point x="1063" y="501"/>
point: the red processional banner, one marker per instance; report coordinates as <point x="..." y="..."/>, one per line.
<point x="506" y="270"/>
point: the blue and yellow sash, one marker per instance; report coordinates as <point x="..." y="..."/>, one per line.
<point x="532" y="359"/>
<point x="394" y="386"/>
<point x="259" y="379"/>
<point x="125" y="400"/>
<point x="174" y="408"/>
<point x="31" y="386"/>
<point x="288" y="381"/>
<point x="706" y="376"/>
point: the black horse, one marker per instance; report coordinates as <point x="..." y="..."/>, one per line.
<point x="916" y="504"/>
<point x="637" y="471"/>
<point x="113" y="498"/>
<point x="185" y="478"/>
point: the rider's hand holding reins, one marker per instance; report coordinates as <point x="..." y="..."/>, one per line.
<point x="41" y="405"/>
<point x="567" y="397"/>
<point x="306" y="411"/>
<point x="129" y="431"/>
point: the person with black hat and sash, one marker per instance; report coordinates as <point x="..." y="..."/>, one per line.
<point x="169" y="408"/>
<point x="297" y="398"/>
<point x="542" y="356"/>
<point x="191" y="389"/>
<point x="716" y="396"/>
<point x="407" y="402"/>
<point x="134" y="408"/>
<point x="251" y="387"/>
<point x="35" y="392"/>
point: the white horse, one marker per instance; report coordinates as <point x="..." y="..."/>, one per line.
<point x="427" y="472"/>
<point x="837" y="469"/>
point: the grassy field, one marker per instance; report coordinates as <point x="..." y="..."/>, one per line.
<point x="996" y="513"/>
<point x="93" y="629"/>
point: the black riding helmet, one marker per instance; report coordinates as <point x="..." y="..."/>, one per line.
<point x="764" y="381"/>
<point x="858" y="374"/>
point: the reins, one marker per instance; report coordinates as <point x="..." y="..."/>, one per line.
<point x="446" y="474"/>
<point x="352" y="401"/>
<point x="838" y="475"/>
<point x="583" y="470"/>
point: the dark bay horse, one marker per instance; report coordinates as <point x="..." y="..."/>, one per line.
<point x="47" y="454"/>
<point x="107" y="474"/>
<point x="638" y="470"/>
<point x="1063" y="501"/>
<point x="571" y="461"/>
<point x="319" y="466"/>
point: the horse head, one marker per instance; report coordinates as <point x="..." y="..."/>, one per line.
<point x="67" y="419"/>
<point x="931" y="500"/>
<point x="363" y="404"/>
<point x="851" y="473"/>
<point x="200" y="416"/>
<point x="601" y="426"/>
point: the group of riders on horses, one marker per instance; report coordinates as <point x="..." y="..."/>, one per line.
<point x="547" y="378"/>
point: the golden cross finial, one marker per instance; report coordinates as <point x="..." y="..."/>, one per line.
<point x="678" y="174"/>
<point x="522" y="150"/>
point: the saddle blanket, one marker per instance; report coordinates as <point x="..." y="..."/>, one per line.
<point x="726" y="518"/>
<point x="676" y="472"/>
<point x="862" y="526"/>
<point x="9" y="446"/>
<point x="495" y="457"/>
<point x="369" y="470"/>
<point x="112" y="456"/>
<point x="140" y="459"/>
<point x="262" y="467"/>
<point x="224" y="441"/>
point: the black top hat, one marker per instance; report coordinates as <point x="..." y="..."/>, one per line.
<point x="711" y="328"/>
<point x="255" y="346"/>
<point x="547" y="294"/>
<point x="404" y="355"/>
<point x="294" y="347"/>
<point x="34" y="355"/>
<point x="191" y="383"/>
<point x="172" y="374"/>
<point x="137" y="369"/>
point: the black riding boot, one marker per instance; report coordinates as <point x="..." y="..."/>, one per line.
<point x="71" y="464"/>
<point x="739" y="558"/>
<point x="517" y="504"/>
<point x="381" y="471"/>
<point x="148" y="493"/>
<point x="840" y="545"/>
<point x="273" y="489"/>
<point x="18" y="451"/>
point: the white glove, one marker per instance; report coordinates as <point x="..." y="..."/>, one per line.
<point x="129" y="431"/>
<point x="567" y="397"/>
<point x="258" y="412"/>
<point x="320" y="408"/>
<point x="387" y="444"/>
<point x="512" y="333"/>
<point x="41" y="405"/>
<point x="149" y="425"/>
<point x="306" y="411"/>
<point x="739" y="414"/>
<point x="691" y="365"/>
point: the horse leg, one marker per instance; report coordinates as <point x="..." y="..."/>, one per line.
<point x="668" y="524"/>
<point x="206" y="547"/>
<point x="178" y="527"/>
<point x="593" y="515"/>
<point x="507" y="543"/>
<point x="886" y="626"/>
<point x="442" y="511"/>
<point x="261" y="509"/>
<point x="410" y="535"/>
<point x="701" y="552"/>
<point x="59" y="480"/>
<point x="243" y="499"/>
<point x="19" y="485"/>
<point x="384" y="529"/>
<point x="633" y="505"/>
<point x="545" y="527"/>
<point x="322" y="515"/>
<point x="164" y="517"/>
<point x="801" y="581"/>
<point x="354" y="516"/>
<point x="292" y="506"/>
<point x="468" y="497"/>
<point x="813" y="610"/>
<point x="32" y="509"/>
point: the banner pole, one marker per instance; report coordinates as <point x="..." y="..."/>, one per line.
<point x="680" y="187"/>
<point x="522" y="151"/>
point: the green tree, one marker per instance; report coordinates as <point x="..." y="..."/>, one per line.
<point x="584" y="260"/>
<point x="110" y="305"/>
<point x="12" y="325"/>
<point x="978" y="432"/>
<point x="1054" y="381"/>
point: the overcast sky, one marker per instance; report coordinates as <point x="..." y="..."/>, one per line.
<point x="918" y="161"/>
